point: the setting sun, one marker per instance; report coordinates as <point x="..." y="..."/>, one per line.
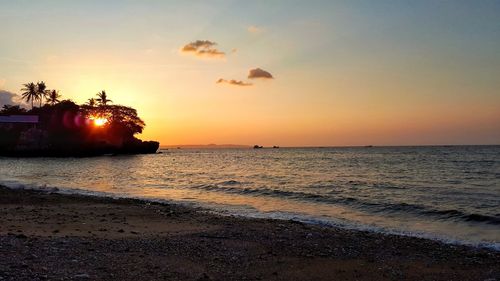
<point x="100" y="122"/>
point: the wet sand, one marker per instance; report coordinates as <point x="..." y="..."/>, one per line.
<point x="48" y="236"/>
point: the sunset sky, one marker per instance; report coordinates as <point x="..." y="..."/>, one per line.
<point x="324" y="72"/>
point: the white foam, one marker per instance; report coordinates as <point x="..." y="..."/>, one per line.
<point x="247" y="212"/>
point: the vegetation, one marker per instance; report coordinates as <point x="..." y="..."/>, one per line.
<point x="102" y="98"/>
<point x="12" y="110"/>
<point x="91" y="102"/>
<point x="53" y="97"/>
<point x="68" y="129"/>
<point x="42" y="91"/>
<point x="30" y="93"/>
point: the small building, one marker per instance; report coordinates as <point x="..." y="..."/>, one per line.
<point x="18" y="121"/>
<point x="14" y="119"/>
<point x="20" y="132"/>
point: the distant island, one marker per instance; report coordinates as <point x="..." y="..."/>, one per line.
<point x="63" y="128"/>
<point x="260" y="146"/>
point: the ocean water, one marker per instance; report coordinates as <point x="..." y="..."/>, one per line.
<point x="446" y="193"/>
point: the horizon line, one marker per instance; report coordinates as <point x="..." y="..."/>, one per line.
<point x="317" y="146"/>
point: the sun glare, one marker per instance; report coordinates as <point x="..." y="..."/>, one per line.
<point x="98" y="121"/>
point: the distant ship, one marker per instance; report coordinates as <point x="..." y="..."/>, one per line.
<point x="257" y="146"/>
<point x="276" y="146"/>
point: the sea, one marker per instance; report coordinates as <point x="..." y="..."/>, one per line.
<point x="447" y="193"/>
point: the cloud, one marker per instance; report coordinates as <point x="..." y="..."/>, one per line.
<point x="256" y="73"/>
<point x="233" y="82"/>
<point x="259" y="73"/>
<point x="7" y="97"/>
<point x="255" y="29"/>
<point x="203" y="48"/>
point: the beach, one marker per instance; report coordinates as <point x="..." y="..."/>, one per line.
<point x="50" y="236"/>
<point x="249" y="140"/>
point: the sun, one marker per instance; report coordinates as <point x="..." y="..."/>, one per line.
<point x="99" y="122"/>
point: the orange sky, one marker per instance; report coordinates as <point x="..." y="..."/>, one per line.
<point x="343" y="73"/>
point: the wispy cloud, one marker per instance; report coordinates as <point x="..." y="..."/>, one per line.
<point x="255" y="29"/>
<point x="203" y="48"/>
<point x="233" y="82"/>
<point x="258" y="73"/>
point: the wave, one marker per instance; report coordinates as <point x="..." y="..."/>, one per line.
<point x="379" y="185"/>
<point x="283" y="216"/>
<point x="377" y="207"/>
<point x="231" y="182"/>
<point x="421" y="210"/>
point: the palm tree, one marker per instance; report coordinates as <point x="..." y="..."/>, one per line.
<point x="41" y="91"/>
<point x="91" y="102"/>
<point x="30" y="92"/>
<point x="53" y="97"/>
<point x="102" y="98"/>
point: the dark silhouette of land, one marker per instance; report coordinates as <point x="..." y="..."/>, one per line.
<point x="63" y="128"/>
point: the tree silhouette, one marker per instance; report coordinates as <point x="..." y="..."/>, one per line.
<point x="12" y="110"/>
<point x="91" y="102"/>
<point x="65" y="128"/>
<point x="30" y="92"/>
<point x="53" y="97"/>
<point x="102" y="98"/>
<point x="41" y="90"/>
<point x="125" y="120"/>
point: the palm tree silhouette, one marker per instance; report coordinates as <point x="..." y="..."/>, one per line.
<point x="102" y="98"/>
<point x="91" y="102"/>
<point x="41" y="91"/>
<point x="53" y="97"/>
<point x="30" y="92"/>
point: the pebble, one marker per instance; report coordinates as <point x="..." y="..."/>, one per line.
<point x="82" y="276"/>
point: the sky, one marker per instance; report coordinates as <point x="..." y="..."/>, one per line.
<point x="288" y="73"/>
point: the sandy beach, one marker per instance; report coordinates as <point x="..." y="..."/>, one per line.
<point x="48" y="236"/>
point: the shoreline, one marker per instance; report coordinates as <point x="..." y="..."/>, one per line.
<point x="493" y="246"/>
<point x="53" y="236"/>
